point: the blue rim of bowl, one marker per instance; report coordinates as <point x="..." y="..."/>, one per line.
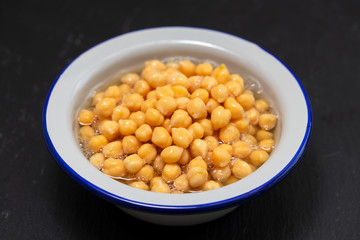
<point x="186" y="209"/>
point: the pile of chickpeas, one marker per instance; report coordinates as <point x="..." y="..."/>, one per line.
<point x="177" y="127"/>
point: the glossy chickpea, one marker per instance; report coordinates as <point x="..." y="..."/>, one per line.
<point x="221" y="173"/>
<point x="134" y="101"/>
<point x="249" y="139"/>
<point x="200" y="93"/>
<point x="241" y="149"/>
<point x="212" y="142"/>
<point x="197" y="130"/>
<point x="220" y="117"/>
<point x="251" y="130"/>
<point x="146" y="173"/>
<point x="253" y="115"/>
<point x="207" y="83"/>
<point x="194" y="82"/>
<point x="221" y="74"/>
<point x="138" y="117"/>
<point x="151" y="95"/>
<point x="197" y="176"/>
<point x="187" y="67"/>
<point x="242" y="124"/>
<point x="211" y="105"/>
<point x="144" y="133"/>
<point x="125" y="89"/>
<point x="263" y="134"/>
<point x="181" y="183"/>
<point x="219" y="93"/>
<point x="164" y="91"/>
<point x="120" y="112"/>
<point x="153" y="117"/>
<point x="158" y="164"/>
<point x="127" y="127"/>
<point x="113" y="149"/>
<point x="155" y="79"/>
<point x="155" y="63"/>
<point x="139" y="185"/>
<point x="267" y="121"/>
<point x="182" y="137"/>
<point x="113" y="92"/>
<point x="130" y="79"/>
<point x="207" y="125"/>
<point x="166" y="105"/>
<point x="86" y="132"/>
<point x="267" y="145"/>
<point x="105" y="107"/>
<point x="160" y="187"/>
<point x="258" y="157"/>
<point x="196" y="108"/>
<point x="180" y="91"/>
<point x="231" y="179"/>
<point x="172" y="65"/>
<point x="171" y="154"/>
<point x="166" y="124"/>
<point x="210" y="185"/>
<point x="110" y="129"/>
<point x="180" y="118"/>
<point x="237" y="78"/>
<point x="220" y="157"/>
<point x="204" y="69"/>
<point x="182" y="102"/>
<point x="261" y="105"/>
<point x="97" y="98"/>
<point x="148" y="103"/>
<point x="229" y="133"/>
<point x="97" y="142"/>
<point x="234" y="88"/>
<point x="198" y="162"/>
<point x="142" y="87"/>
<point x="177" y="78"/>
<point x="246" y="99"/>
<point x="114" y="167"/>
<point x="130" y="144"/>
<point x="234" y="107"/>
<point x="170" y="171"/>
<point x="133" y="163"/>
<point x="97" y="160"/>
<point x="147" y="152"/>
<point x="185" y="157"/>
<point x="161" y="137"/>
<point x="86" y="117"/>
<point x="198" y="147"/>
<point x="241" y="169"/>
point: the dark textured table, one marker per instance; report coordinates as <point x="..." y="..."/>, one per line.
<point x="318" y="40"/>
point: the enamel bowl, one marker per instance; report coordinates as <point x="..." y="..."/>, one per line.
<point x="89" y="71"/>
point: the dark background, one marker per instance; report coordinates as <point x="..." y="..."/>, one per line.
<point x="318" y="40"/>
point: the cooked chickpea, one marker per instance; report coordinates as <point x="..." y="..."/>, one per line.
<point x="105" y="107"/>
<point x="234" y="88"/>
<point x="113" y="149"/>
<point x="178" y="78"/>
<point x="261" y="105"/>
<point x="246" y="99"/>
<point x="85" y="117"/>
<point x="155" y="79"/>
<point x="200" y="93"/>
<point x="212" y="142"/>
<point x="241" y="149"/>
<point x="153" y="117"/>
<point x="125" y="88"/>
<point x="171" y="65"/>
<point x="181" y="183"/>
<point x="155" y="63"/>
<point x="147" y="152"/>
<point x="207" y="83"/>
<point x="86" y="132"/>
<point x="139" y="185"/>
<point x="170" y="171"/>
<point x="185" y="157"/>
<point x="97" y="142"/>
<point x="207" y="125"/>
<point x="182" y="137"/>
<point x="182" y="102"/>
<point x="166" y="124"/>
<point x="97" y="98"/>
<point x="210" y="185"/>
<point x="146" y="173"/>
<point x="158" y="164"/>
<point x="221" y="74"/>
<point x="171" y="154"/>
<point x="219" y="93"/>
<point x="187" y="67"/>
<point x="148" y="103"/>
<point x="144" y="133"/>
<point x="138" y="117"/>
<point x="180" y="118"/>
<point x="197" y="176"/>
<point x="113" y="92"/>
<point x="130" y="78"/>
<point x="251" y="130"/>
<point x="204" y="69"/>
<point x="134" y="101"/>
<point x="267" y="121"/>
<point x="231" y="179"/>
<point x="249" y="139"/>
<point x="241" y="169"/>
<point x="253" y="115"/>
<point x="220" y="117"/>
<point x="198" y="148"/>
<point x="97" y="160"/>
<point x="120" y="112"/>
<point x="110" y="129"/>
<point x="221" y="173"/>
<point x="198" y="162"/>
<point x="229" y="133"/>
<point x="194" y="82"/>
<point x="197" y="130"/>
<point x="166" y="105"/>
<point x="196" y="108"/>
<point x="263" y="134"/>
<point x="114" y="167"/>
<point x="151" y="95"/>
<point x="237" y="78"/>
<point x="127" y="127"/>
<point x="242" y="124"/>
<point x="160" y="187"/>
<point x="220" y="157"/>
<point x="267" y="145"/>
<point x="130" y="144"/>
<point x="164" y="91"/>
<point x="161" y="137"/>
<point x="258" y="157"/>
<point x="211" y="105"/>
<point x="234" y="107"/>
<point x="180" y="91"/>
<point x="133" y="163"/>
<point x="142" y="87"/>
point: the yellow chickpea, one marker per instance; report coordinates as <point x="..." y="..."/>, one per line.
<point x="231" y="179"/>
<point x="155" y="63"/>
<point x="267" y="121"/>
<point x="182" y="137"/>
<point x="185" y="157"/>
<point x="139" y="185"/>
<point x="113" y="92"/>
<point x="241" y="149"/>
<point x="153" y="117"/>
<point x="113" y="149"/>
<point x="220" y="157"/>
<point x="133" y="163"/>
<point x="197" y="176"/>
<point x="148" y="103"/>
<point x="161" y="137"/>
<point x="155" y="79"/>
<point x="246" y="99"/>
<point x="207" y="125"/>
<point x="174" y="65"/>
<point x="166" y="124"/>
<point x="160" y="187"/>
<point x="138" y="117"/>
<point x="187" y="67"/>
<point x="242" y="124"/>
<point x="263" y="134"/>
<point x="234" y="88"/>
<point x="127" y="127"/>
<point x="220" y="117"/>
<point x="151" y="95"/>
<point x="110" y="129"/>
<point x="125" y="88"/>
<point x="211" y="105"/>
<point x="86" y="117"/>
<point x="158" y="164"/>
<point x="237" y="78"/>
<point x="234" y="107"/>
<point x="96" y="143"/>
<point x="180" y="118"/>
<point x="114" y="167"/>
<point x="86" y="132"/>
<point x="198" y="148"/>
<point x="200" y="93"/>
<point x="221" y="74"/>
<point x="258" y="157"/>
<point x="134" y="101"/>
<point x="97" y="98"/>
<point x="197" y="130"/>
<point x="207" y="83"/>
<point x="146" y="173"/>
<point x="166" y="105"/>
<point x="241" y="169"/>
<point x="196" y="108"/>
<point x="120" y="112"/>
<point x="144" y="133"/>
<point x="221" y="173"/>
<point x="261" y="105"/>
<point x="105" y="107"/>
<point x="130" y="79"/>
<point x="219" y="93"/>
<point x="170" y="171"/>
<point x="164" y="91"/>
<point x="147" y="152"/>
<point x="253" y="115"/>
<point x="267" y="145"/>
<point x="204" y="69"/>
<point x="97" y="160"/>
<point x="182" y="102"/>
<point x="229" y="133"/>
<point x="180" y="91"/>
<point x="181" y="183"/>
<point x="171" y="154"/>
<point x="212" y="142"/>
<point x="177" y="78"/>
<point x="251" y="130"/>
<point x="210" y="185"/>
<point x="130" y="144"/>
<point x="197" y="162"/>
<point x="142" y="87"/>
<point x="194" y="82"/>
<point x="249" y="139"/>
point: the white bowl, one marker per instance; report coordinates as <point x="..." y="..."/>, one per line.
<point x="88" y="71"/>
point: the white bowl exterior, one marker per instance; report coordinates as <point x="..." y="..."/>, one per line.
<point x="101" y="61"/>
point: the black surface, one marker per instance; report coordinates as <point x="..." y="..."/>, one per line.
<point x="318" y="40"/>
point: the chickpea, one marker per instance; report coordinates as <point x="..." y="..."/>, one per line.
<point x="241" y="149"/>
<point x="263" y="134"/>
<point x="204" y="69"/>
<point x="220" y="157"/>
<point x="210" y="185"/>
<point x="160" y="187"/>
<point x="156" y="180"/>
<point x="86" y="132"/>
<point x="97" y="160"/>
<point x="219" y="93"/>
<point x="139" y="185"/>
<point x="178" y="78"/>
<point x="241" y="169"/>
<point x="120" y="112"/>
<point x="187" y="67"/>
<point x="182" y="137"/>
<point x="171" y="154"/>
<point x="200" y="93"/>
<point x="267" y="145"/>
<point x="96" y="143"/>
<point x="246" y="99"/>
<point x="153" y="117"/>
<point x="258" y="157"/>
<point x="113" y="92"/>
<point x="194" y="82"/>
<point x="227" y="147"/>
<point x="234" y="107"/>
<point x="164" y="91"/>
<point x="113" y="149"/>
<point x="166" y="105"/>
<point x="197" y="176"/>
<point x="237" y="78"/>
<point x="182" y="102"/>
<point x="127" y="127"/>
<point x="97" y="98"/>
<point x="170" y="171"/>
<point x="173" y="65"/>
<point x="155" y="63"/>
<point x="158" y="164"/>
<point x="180" y="91"/>
<point x="151" y="95"/>
<point x="198" y="162"/>
<point x="197" y="130"/>
<point x="234" y="88"/>
<point x="142" y="87"/>
<point x="212" y="142"/>
<point x="138" y="117"/>
<point x="249" y="139"/>
<point x="86" y="117"/>
<point x="220" y="117"/>
<point x="147" y="152"/>
<point x="105" y="107"/>
<point x="221" y="74"/>
<point x="231" y="179"/>
<point x="253" y="115"/>
<point x="130" y="79"/>
<point x="161" y="137"/>
<point x="125" y="88"/>
<point x="207" y="125"/>
<point x="207" y="83"/>
<point x="155" y="79"/>
<point x="242" y="124"/>
<point x="180" y="118"/>
<point x="221" y="173"/>
<point x="148" y="103"/>
<point x="166" y="124"/>
<point x="267" y="121"/>
<point x="144" y="133"/>
<point x="110" y="129"/>
<point x="196" y="108"/>
<point x="261" y="105"/>
<point x="134" y="101"/>
<point x="211" y="105"/>
<point x="181" y="183"/>
<point x="133" y="163"/>
<point x="185" y="157"/>
<point x="114" y="167"/>
<point x="229" y="133"/>
<point x="198" y="148"/>
<point x="146" y="173"/>
<point x="130" y="144"/>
